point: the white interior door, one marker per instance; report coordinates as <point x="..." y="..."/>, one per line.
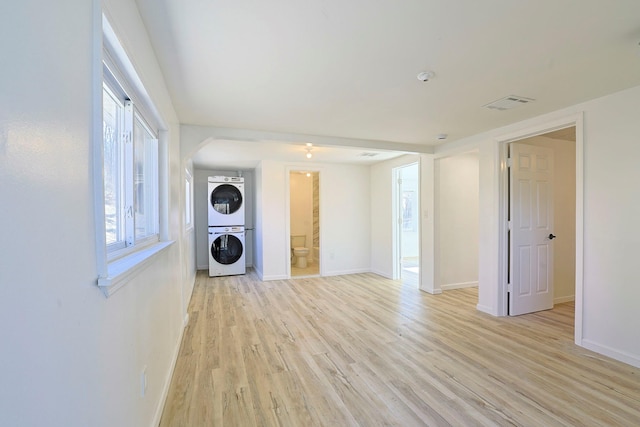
<point x="531" y="229"/>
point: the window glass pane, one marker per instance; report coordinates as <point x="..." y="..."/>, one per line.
<point x="145" y="179"/>
<point x="111" y="125"/>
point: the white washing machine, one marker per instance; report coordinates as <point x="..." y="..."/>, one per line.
<point x="226" y="201"/>
<point x="226" y="251"/>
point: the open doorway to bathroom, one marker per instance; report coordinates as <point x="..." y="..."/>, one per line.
<point x="304" y="226"/>
<point x="406" y="210"/>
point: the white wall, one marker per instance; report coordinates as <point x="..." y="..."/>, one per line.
<point x="609" y="290"/>
<point x="188" y="251"/>
<point x="201" y="194"/>
<point x="344" y="218"/>
<point x="456" y="201"/>
<point x="382" y="227"/>
<point x="258" y="241"/>
<point x="71" y="356"/>
<point x="564" y="215"/>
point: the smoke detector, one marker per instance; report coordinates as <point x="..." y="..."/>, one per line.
<point x="425" y="76"/>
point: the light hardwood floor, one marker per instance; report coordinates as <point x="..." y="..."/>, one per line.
<point x="364" y="350"/>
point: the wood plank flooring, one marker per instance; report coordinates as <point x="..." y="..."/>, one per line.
<point x="361" y="350"/>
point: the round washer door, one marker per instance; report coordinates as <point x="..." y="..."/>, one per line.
<point x="226" y="249"/>
<point x="226" y="199"/>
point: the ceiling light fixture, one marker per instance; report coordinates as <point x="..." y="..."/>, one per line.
<point x="309" y="155"/>
<point x="309" y="144"/>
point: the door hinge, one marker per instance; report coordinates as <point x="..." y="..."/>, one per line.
<point x="509" y="287"/>
<point x="509" y="225"/>
<point x="509" y="162"/>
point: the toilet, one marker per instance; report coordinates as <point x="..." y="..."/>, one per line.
<point x="300" y="252"/>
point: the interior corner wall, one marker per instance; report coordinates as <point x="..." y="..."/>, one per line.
<point x="382" y="228"/>
<point x="201" y="214"/>
<point x="457" y="204"/>
<point x="72" y="357"/>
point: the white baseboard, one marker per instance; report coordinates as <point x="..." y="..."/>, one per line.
<point x="345" y="272"/>
<point x="622" y="356"/>
<point x="486" y="309"/>
<point x="274" y="277"/>
<point x="431" y="291"/>
<point x="560" y="300"/>
<point x="382" y="274"/>
<point x="167" y="381"/>
<point x="461" y="285"/>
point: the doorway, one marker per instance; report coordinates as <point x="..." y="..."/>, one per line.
<point x="540" y="225"/>
<point x="407" y="224"/>
<point x="304" y="223"/>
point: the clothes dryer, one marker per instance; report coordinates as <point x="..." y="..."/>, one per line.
<point x="226" y="201"/>
<point x="226" y="251"/>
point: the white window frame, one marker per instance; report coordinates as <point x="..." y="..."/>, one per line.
<point x="188" y="203"/>
<point x="117" y="265"/>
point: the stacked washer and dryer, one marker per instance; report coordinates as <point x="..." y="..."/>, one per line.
<point x="226" y="226"/>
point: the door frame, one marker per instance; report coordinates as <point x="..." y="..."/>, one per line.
<point x="396" y="219"/>
<point x="576" y="120"/>
<point x="288" y="170"/>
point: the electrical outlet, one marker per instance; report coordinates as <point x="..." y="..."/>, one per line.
<point x="143" y="382"/>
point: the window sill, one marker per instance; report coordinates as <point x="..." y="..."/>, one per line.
<point x="126" y="268"/>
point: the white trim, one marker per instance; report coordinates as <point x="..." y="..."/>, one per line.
<point x="460" y="285"/>
<point x="121" y="271"/>
<point x="579" y="288"/>
<point x="380" y="273"/>
<point x="567" y="298"/>
<point x="97" y="165"/>
<point x="346" y="272"/>
<point x="576" y="120"/>
<point x="502" y="170"/>
<point x="428" y="230"/>
<point x="258" y="273"/>
<point x="274" y="277"/>
<point x="296" y="168"/>
<point x="622" y="356"/>
<point x="125" y="73"/>
<point x="396" y="240"/>
<point x="189" y="226"/>
<point x="486" y="309"/>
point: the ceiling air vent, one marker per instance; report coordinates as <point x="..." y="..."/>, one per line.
<point x="508" y="102"/>
<point x="365" y="154"/>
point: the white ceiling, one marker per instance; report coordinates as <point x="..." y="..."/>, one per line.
<point x="245" y="155"/>
<point x="348" y="68"/>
